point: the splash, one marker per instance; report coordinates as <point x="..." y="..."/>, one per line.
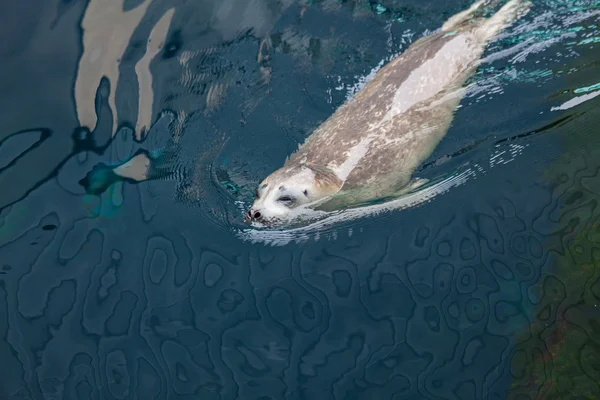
<point x="576" y="101"/>
<point x="568" y="24"/>
<point x="324" y="224"/>
<point x="326" y="221"/>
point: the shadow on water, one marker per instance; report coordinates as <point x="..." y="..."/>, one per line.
<point x="556" y="355"/>
<point x="482" y="285"/>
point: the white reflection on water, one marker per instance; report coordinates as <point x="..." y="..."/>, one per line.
<point x="154" y="45"/>
<point x="107" y="31"/>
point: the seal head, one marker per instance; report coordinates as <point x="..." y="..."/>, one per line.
<point x="287" y="191"/>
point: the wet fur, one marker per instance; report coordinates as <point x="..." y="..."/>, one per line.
<point x="396" y="121"/>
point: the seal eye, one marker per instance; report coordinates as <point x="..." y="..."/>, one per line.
<point x="286" y="199"/>
<point x="305" y="193"/>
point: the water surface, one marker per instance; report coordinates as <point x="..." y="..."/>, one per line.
<point x="488" y="288"/>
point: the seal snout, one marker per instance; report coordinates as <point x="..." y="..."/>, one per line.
<point x="254" y="215"/>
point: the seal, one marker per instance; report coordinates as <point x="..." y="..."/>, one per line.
<point x="369" y="148"/>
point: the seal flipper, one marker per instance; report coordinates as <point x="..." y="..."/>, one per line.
<point x="413" y="185"/>
<point x="356" y="198"/>
<point x="140" y="167"/>
<point x="458" y="19"/>
<point x="505" y="16"/>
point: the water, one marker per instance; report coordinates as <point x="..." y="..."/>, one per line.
<point x="484" y="286"/>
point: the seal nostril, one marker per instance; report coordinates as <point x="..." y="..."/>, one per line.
<point x="257" y="215"/>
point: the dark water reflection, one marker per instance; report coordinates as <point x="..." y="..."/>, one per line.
<point x="489" y="291"/>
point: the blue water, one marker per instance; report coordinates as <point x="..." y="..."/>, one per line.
<point x="159" y="290"/>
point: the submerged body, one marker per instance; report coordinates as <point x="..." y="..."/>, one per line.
<point x="369" y="148"/>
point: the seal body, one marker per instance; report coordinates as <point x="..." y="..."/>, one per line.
<point x="371" y="145"/>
